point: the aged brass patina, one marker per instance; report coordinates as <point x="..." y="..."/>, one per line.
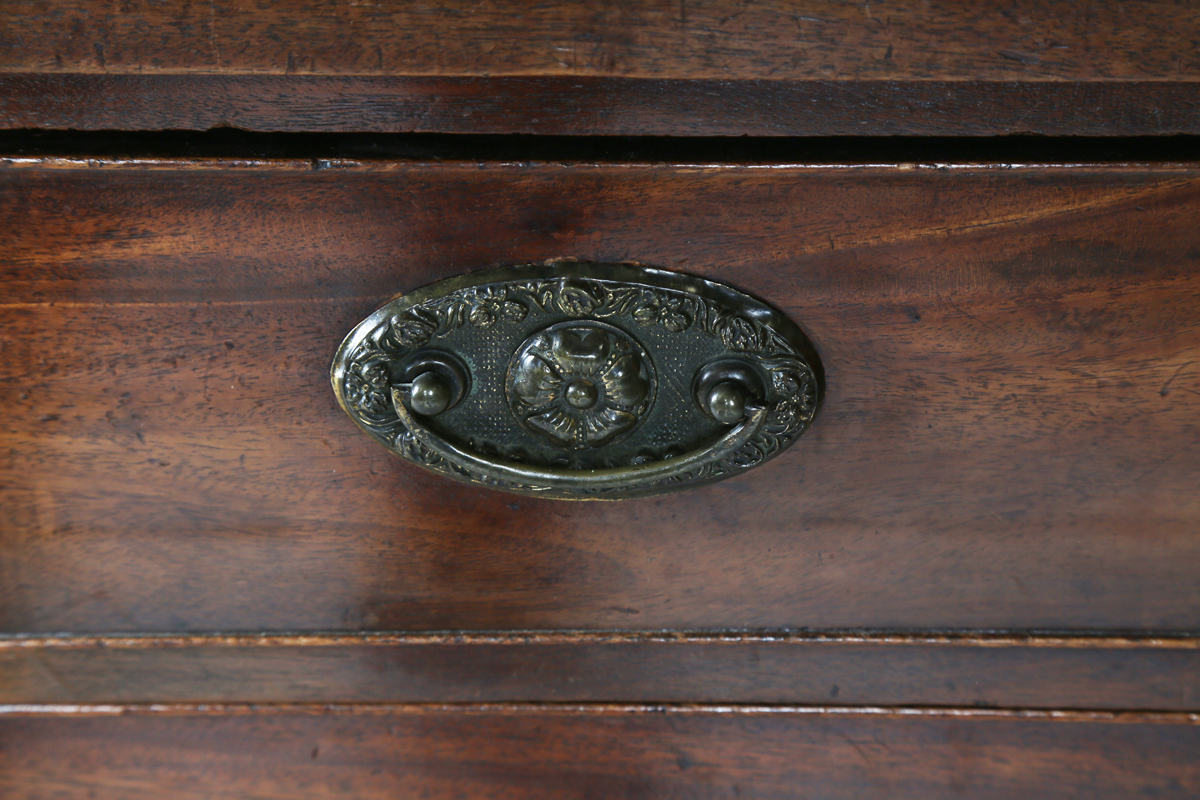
<point x="578" y="380"/>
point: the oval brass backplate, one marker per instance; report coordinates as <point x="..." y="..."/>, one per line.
<point x="578" y="380"/>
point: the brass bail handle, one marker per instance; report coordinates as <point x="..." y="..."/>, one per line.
<point x="576" y="380"/>
<point x="721" y="392"/>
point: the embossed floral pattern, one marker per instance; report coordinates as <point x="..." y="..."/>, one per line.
<point x="490" y="304"/>
<point x="549" y="400"/>
<point x="580" y="385"/>
<point x="672" y="312"/>
<point x="574" y="298"/>
<point x="366" y="387"/>
<point x="415" y="328"/>
<point x="740" y="334"/>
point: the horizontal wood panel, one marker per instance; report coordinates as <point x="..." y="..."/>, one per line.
<point x="651" y="67"/>
<point x="1009" y="438"/>
<point x="717" y="39"/>
<point x="532" y="754"/>
<point x="1073" y="674"/>
<point x="597" y="106"/>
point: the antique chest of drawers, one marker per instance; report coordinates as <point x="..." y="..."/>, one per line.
<point x="977" y="574"/>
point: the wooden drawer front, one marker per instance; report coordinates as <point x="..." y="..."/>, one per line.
<point x="608" y="752"/>
<point x="957" y="584"/>
<point x="1008" y="440"/>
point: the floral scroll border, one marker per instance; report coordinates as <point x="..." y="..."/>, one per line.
<point x="367" y="391"/>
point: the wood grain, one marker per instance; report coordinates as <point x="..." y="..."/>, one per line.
<point x="1009" y="440"/>
<point x="597" y="106"/>
<point x="718" y="40"/>
<point x="531" y="754"/>
<point x="651" y="67"/>
<point x="566" y="668"/>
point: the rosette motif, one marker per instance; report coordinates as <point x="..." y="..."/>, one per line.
<point x="580" y="385"/>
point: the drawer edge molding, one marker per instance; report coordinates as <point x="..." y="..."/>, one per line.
<point x="1096" y="673"/>
<point x="597" y="106"/>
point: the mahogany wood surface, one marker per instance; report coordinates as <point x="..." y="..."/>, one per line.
<point x="558" y="668"/>
<point x="1009" y="439"/>
<point x="724" y="40"/>
<point x="782" y="67"/>
<point x="553" y="105"/>
<point x="717" y="39"/>
<point x="449" y="753"/>
<point x="977" y="577"/>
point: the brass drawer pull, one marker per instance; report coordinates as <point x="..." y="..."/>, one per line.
<point x="579" y="380"/>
